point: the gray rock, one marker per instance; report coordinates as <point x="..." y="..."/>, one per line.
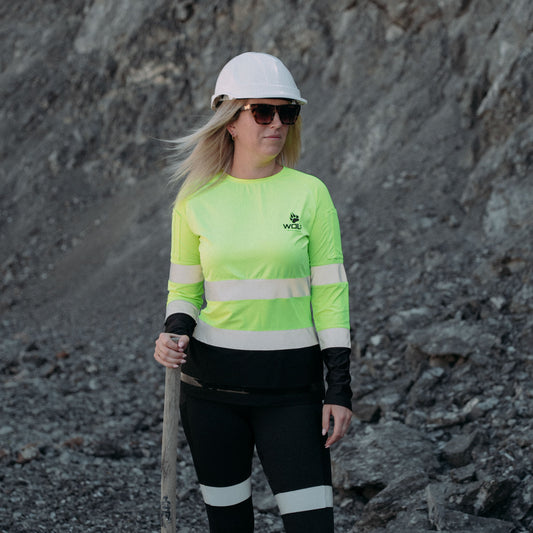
<point x="446" y="519"/>
<point x="447" y="342"/>
<point x="463" y="473"/>
<point x="409" y="319"/>
<point x="366" y="412"/>
<point x="381" y="454"/>
<point x="388" y="503"/>
<point x="458" y="451"/>
<point x="421" y="391"/>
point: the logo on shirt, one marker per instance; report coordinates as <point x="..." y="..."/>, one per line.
<point x="294" y="222"/>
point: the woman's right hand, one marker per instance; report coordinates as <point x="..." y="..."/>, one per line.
<point x="170" y="349"/>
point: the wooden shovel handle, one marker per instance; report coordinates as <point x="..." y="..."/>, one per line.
<point x="169" y="450"/>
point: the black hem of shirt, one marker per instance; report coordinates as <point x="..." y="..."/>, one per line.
<point x="275" y="370"/>
<point x="259" y="399"/>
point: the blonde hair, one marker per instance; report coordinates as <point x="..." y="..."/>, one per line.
<point x="208" y="151"/>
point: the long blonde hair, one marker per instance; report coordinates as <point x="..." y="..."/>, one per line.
<point x="208" y="151"/>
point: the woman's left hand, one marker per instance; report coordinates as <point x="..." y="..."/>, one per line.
<point x="341" y="421"/>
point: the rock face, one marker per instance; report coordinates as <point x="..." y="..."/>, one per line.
<point x="419" y="120"/>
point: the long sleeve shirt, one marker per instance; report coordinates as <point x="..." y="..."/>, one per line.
<point x="257" y="280"/>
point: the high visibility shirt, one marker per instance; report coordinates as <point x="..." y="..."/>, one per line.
<point x="257" y="271"/>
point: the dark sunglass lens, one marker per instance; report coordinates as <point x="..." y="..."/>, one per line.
<point x="288" y="113"/>
<point x="263" y="113"/>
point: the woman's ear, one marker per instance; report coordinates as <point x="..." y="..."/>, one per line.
<point x="231" y="130"/>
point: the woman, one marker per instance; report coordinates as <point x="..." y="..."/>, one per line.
<point x="260" y="242"/>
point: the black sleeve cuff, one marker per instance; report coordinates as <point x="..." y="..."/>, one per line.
<point x="338" y="377"/>
<point x="180" y="324"/>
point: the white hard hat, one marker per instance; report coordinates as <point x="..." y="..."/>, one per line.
<point x="255" y="75"/>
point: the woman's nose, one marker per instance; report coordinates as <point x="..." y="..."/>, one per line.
<point x="276" y="121"/>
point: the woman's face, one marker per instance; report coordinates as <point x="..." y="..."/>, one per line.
<point x="265" y="141"/>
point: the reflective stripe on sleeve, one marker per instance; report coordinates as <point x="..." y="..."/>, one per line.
<point x="255" y="340"/>
<point x="334" y="338"/>
<point x="226" y="496"/>
<point x="185" y="273"/>
<point x="296" y="501"/>
<point x="328" y="274"/>
<point x="181" y="306"/>
<point x="256" y="289"/>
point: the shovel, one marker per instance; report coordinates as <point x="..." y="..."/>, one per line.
<point x="169" y="450"/>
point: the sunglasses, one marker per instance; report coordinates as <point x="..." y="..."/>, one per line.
<point x="264" y="113"/>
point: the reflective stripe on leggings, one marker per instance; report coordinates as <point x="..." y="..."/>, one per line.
<point x="226" y="496"/>
<point x="296" y="501"/>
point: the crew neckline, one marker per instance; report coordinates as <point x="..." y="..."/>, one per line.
<point x="255" y="180"/>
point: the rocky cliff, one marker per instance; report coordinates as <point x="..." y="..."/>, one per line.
<point x="420" y="122"/>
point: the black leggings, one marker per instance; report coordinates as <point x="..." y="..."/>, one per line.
<point x="290" y="445"/>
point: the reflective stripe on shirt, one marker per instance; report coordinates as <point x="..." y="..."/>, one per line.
<point x="181" y="306"/>
<point x="334" y="338"/>
<point x="328" y="274"/>
<point x="185" y="273"/>
<point x="256" y="289"/>
<point x="255" y="340"/>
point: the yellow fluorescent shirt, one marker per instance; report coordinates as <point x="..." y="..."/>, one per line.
<point x="268" y="252"/>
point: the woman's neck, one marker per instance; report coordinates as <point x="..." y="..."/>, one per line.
<point x="248" y="170"/>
